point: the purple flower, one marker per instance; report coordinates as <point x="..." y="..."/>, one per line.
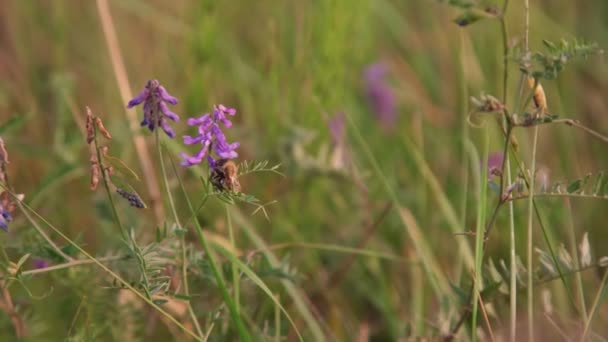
<point x="5" y="218"/>
<point x="40" y="263"/>
<point x="6" y="207"/>
<point x="495" y="161"/>
<point x="156" y="112"/>
<point x="380" y="96"/>
<point x="211" y="137"/>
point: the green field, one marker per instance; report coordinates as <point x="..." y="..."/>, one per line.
<point x="362" y="160"/>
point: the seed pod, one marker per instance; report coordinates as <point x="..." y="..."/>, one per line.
<point x="94" y="175"/>
<point x="102" y="129"/>
<point x="540" y="100"/>
<point x="89" y="127"/>
<point x="3" y="152"/>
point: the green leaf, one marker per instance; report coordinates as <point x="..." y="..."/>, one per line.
<point x="182" y="296"/>
<point x="259" y="282"/>
<point x="599" y="181"/>
<point x="490" y="291"/>
<point x="471" y="16"/>
<point x="462" y="295"/>
<point x="159" y="301"/>
<point x="574" y="186"/>
<point x="13" y="123"/>
<point x="22" y="261"/>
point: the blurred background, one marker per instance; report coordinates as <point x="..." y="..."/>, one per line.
<point x="343" y="94"/>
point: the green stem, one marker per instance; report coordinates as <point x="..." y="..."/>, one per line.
<point x="530" y="268"/>
<point x="106" y="184"/>
<point x="480" y="236"/>
<point x="235" y="271"/>
<point x="182" y="237"/>
<point x="596" y="302"/>
<point x="242" y="329"/>
<point x="69" y="264"/>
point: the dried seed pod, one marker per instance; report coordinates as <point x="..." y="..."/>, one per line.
<point x="94" y="175"/>
<point x="89" y="126"/>
<point x="540" y="100"/>
<point x="109" y="171"/>
<point x="3" y="152"/>
<point x="102" y="129"/>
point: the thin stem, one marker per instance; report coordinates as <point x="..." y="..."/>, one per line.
<point x="70" y="264"/>
<point x="182" y="237"/>
<point x="531" y="187"/>
<point x="530" y="250"/>
<point x="106" y="185"/>
<point x="576" y="260"/>
<point x="39" y="229"/>
<point x="241" y="328"/>
<point x="6" y="186"/>
<point x="557" y="195"/>
<point x="235" y="271"/>
<point x="596" y="302"/>
<point x="507" y="167"/>
<point x="480" y="237"/>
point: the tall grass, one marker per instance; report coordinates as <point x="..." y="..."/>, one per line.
<point x="393" y="231"/>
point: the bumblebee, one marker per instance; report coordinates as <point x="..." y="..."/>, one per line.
<point x="224" y="176"/>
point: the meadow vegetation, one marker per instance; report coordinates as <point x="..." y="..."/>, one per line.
<point x="368" y="170"/>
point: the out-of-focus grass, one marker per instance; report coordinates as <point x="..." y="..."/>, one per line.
<point x="288" y="65"/>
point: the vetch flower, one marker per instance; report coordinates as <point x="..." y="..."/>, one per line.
<point x="156" y="112"/>
<point x="380" y="96"/>
<point x="40" y="263"/>
<point x="7" y="206"/>
<point x="211" y="137"/>
<point x="495" y="161"/>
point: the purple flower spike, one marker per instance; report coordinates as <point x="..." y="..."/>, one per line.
<point x="211" y="137"/>
<point x="380" y="96"/>
<point x="156" y="112"/>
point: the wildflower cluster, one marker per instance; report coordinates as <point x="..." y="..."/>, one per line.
<point x="156" y="112"/>
<point x="211" y="137"/>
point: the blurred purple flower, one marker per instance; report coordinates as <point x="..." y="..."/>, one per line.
<point x="5" y="218"/>
<point x="211" y="137"/>
<point x="40" y="263"/>
<point x="380" y="96"/>
<point x="6" y="207"/>
<point x="495" y="161"/>
<point x="156" y="112"/>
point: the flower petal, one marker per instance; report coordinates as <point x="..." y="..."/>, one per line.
<point x="139" y="98"/>
<point x="167" y="112"/>
<point x="167" y="128"/>
<point x="205" y="118"/>
<point x="165" y="96"/>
